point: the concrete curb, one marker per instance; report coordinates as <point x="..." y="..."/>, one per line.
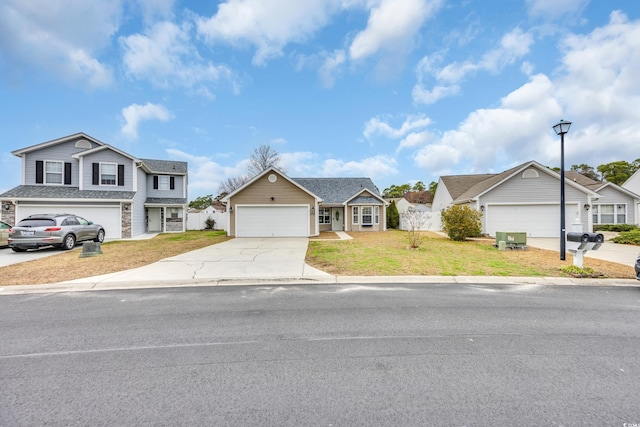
<point x="316" y="280"/>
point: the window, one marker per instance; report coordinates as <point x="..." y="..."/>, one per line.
<point x="377" y="214"/>
<point x="356" y="215"/>
<point x="367" y="218"/>
<point x="324" y="216"/>
<point x="174" y="212"/>
<point x="108" y="173"/>
<point x="53" y="172"/>
<point x="163" y="182"/>
<point x="609" y="214"/>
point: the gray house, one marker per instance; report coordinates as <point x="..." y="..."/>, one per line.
<point x="274" y="205"/>
<point x="526" y="198"/>
<point x="79" y="174"/>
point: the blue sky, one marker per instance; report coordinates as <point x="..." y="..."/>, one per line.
<point x="396" y="90"/>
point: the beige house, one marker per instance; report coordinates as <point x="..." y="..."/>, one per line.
<point x="274" y="205"/>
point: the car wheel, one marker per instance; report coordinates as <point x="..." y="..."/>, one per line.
<point x="68" y="243"/>
<point x="99" y="237"/>
<point x="16" y="249"/>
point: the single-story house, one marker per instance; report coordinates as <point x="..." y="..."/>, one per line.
<point x="275" y="205"/>
<point x="79" y="174"/>
<point x="633" y="184"/>
<point x="526" y="198"/>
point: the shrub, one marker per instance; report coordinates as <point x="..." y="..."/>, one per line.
<point x="580" y="272"/>
<point x="628" y="238"/>
<point x="416" y="222"/>
<point x="461" y="222"/>
<point x="209" y="223"/>
<point x="393" y="217"/>
<point x="614" y="227"/>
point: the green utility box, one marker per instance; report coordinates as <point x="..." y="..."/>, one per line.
<point x="511" y="239"/>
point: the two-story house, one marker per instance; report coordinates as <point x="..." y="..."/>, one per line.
<point x="79" y="174"/>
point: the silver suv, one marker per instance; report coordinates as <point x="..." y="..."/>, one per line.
<point x="60" y="230"/>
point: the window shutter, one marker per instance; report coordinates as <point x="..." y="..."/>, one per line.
<point x="172" y="183"/>
<point x="121" y="175"/>
<point x="155" y="182"/>
<point x="39" y="172"/>
<point x="96" y="174"/>
<point x="67" y="174"/>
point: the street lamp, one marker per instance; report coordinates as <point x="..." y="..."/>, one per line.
<point x="562" y="128"/>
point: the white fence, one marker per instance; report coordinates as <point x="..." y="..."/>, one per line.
<point x="197" y="220"/>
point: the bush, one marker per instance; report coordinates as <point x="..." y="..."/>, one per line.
<point x="584" y="272"/>
<point x="393" y="217"/>
<point x="461" y="222"/>
<point x="209" y="224"/>
<point x="628" y="238"/>
<point x="614" y="227"/>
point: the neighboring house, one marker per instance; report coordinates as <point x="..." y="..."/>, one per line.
<point x="79" y="174"/>
<point x="526" y="198"/>
<point x="274" y="205"/>
<point x="420" y="203"/>
<point x="633" y="185"/>
<point x="616" y="205"/>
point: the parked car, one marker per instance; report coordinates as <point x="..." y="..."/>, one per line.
<point x="637" y="267"/>
<point x="61" y="230"/>
<point x="4" y="233"/>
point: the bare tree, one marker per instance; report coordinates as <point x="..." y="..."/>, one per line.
<point x="232" y="184"/>
<point x="262" y="159"/>
<point x="417" y="221"/>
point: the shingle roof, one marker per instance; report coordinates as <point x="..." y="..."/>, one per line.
<point x="337" y="190"/>
<point x="64" y="192"/>
<point x="421" y="197"/>
<point x="583" y="180"/>
<point x="165" y="201"/>
<point x="364" y="200"/>
<point x="459" y="184"/>
<point x="166" y="166"/>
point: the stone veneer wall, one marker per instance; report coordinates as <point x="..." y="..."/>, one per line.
<point x="126" y="221"/>
<point x="174" y="224"/>
<point x="8" y="216"/>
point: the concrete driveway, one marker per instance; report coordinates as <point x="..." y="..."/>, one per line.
<point x="236" y="259"/>
<point x="9" y="257"/>
<point x="609" y="251"/>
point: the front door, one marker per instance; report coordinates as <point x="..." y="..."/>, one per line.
<point x="154" y="221"/>
<point x="337" y="219"/>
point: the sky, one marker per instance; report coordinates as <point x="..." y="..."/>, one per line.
<point x="396" y="90"/>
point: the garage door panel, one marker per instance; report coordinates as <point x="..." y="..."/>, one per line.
<point x="106" y="216"/>
<point x="272" y="221"/>
<point x="535" y="220"/>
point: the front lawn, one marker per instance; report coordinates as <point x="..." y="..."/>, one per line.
<point x="388" y="254"/>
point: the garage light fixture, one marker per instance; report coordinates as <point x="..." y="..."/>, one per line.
<point x="587" y="206"/>
<point x="7" y="206"/>
<point x="562" y="128"/>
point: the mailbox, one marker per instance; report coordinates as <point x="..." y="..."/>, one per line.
<point x="577" y="241"/>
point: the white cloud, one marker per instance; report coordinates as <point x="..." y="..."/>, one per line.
<point x="134" y="114"/>
<point x="153" y="10"/>
<point x="53" y="38"/>
<point x="166" y="57"/>
<point x="554" y="9"/>
<point x="268" y="26"/>
<point x="392" y="26"/>
<point x="376" y="126"/>
<point x="373" y="167"/>
<point x="513" y="46"/>
<point x="206" y="175"/>
<point x="278" y="141"/>
<point x="330" y="69"/>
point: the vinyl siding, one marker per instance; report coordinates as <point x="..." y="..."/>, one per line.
<point x="139" y="215"/>
<point x="106" y="156"/>
<point x="260" y="193"/>
<point x="544" y="189"/>
<point x="177" y="192"/>
<point x="611" y="196"/>
<point x="59" y="152"/>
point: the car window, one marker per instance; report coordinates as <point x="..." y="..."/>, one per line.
<point x="70" y="221"/>
<point x="4" y="225"/>
<point x="37" y="222"/>
<point x="82" y="221"/>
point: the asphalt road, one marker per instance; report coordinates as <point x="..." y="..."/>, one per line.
<point x="333" y="355"/>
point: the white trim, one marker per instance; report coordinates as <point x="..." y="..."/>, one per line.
<point x="266" y="171"/>
<point x="44" y="172"/>
<point x="303" y="205"/>
<point x="100" y="183"/>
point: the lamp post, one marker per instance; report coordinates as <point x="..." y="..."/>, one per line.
<point x="562" y="128"/>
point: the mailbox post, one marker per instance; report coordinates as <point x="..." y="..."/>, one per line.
<point x="579" y="243"/>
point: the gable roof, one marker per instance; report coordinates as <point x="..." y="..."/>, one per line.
<point x="79" y="135"/>
<point x="337" y="191"/>
<point x="263" y="173"/>
<point x="165" y="166"/>
<point x="418" y="197"/>
<point x="597" y="185"/>
<point x="481" y="184"/>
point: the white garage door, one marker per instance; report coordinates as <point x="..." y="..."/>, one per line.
<point x="535" y="220"/>
<point x="106" y="216"/>
<point x="272" y="221"/>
